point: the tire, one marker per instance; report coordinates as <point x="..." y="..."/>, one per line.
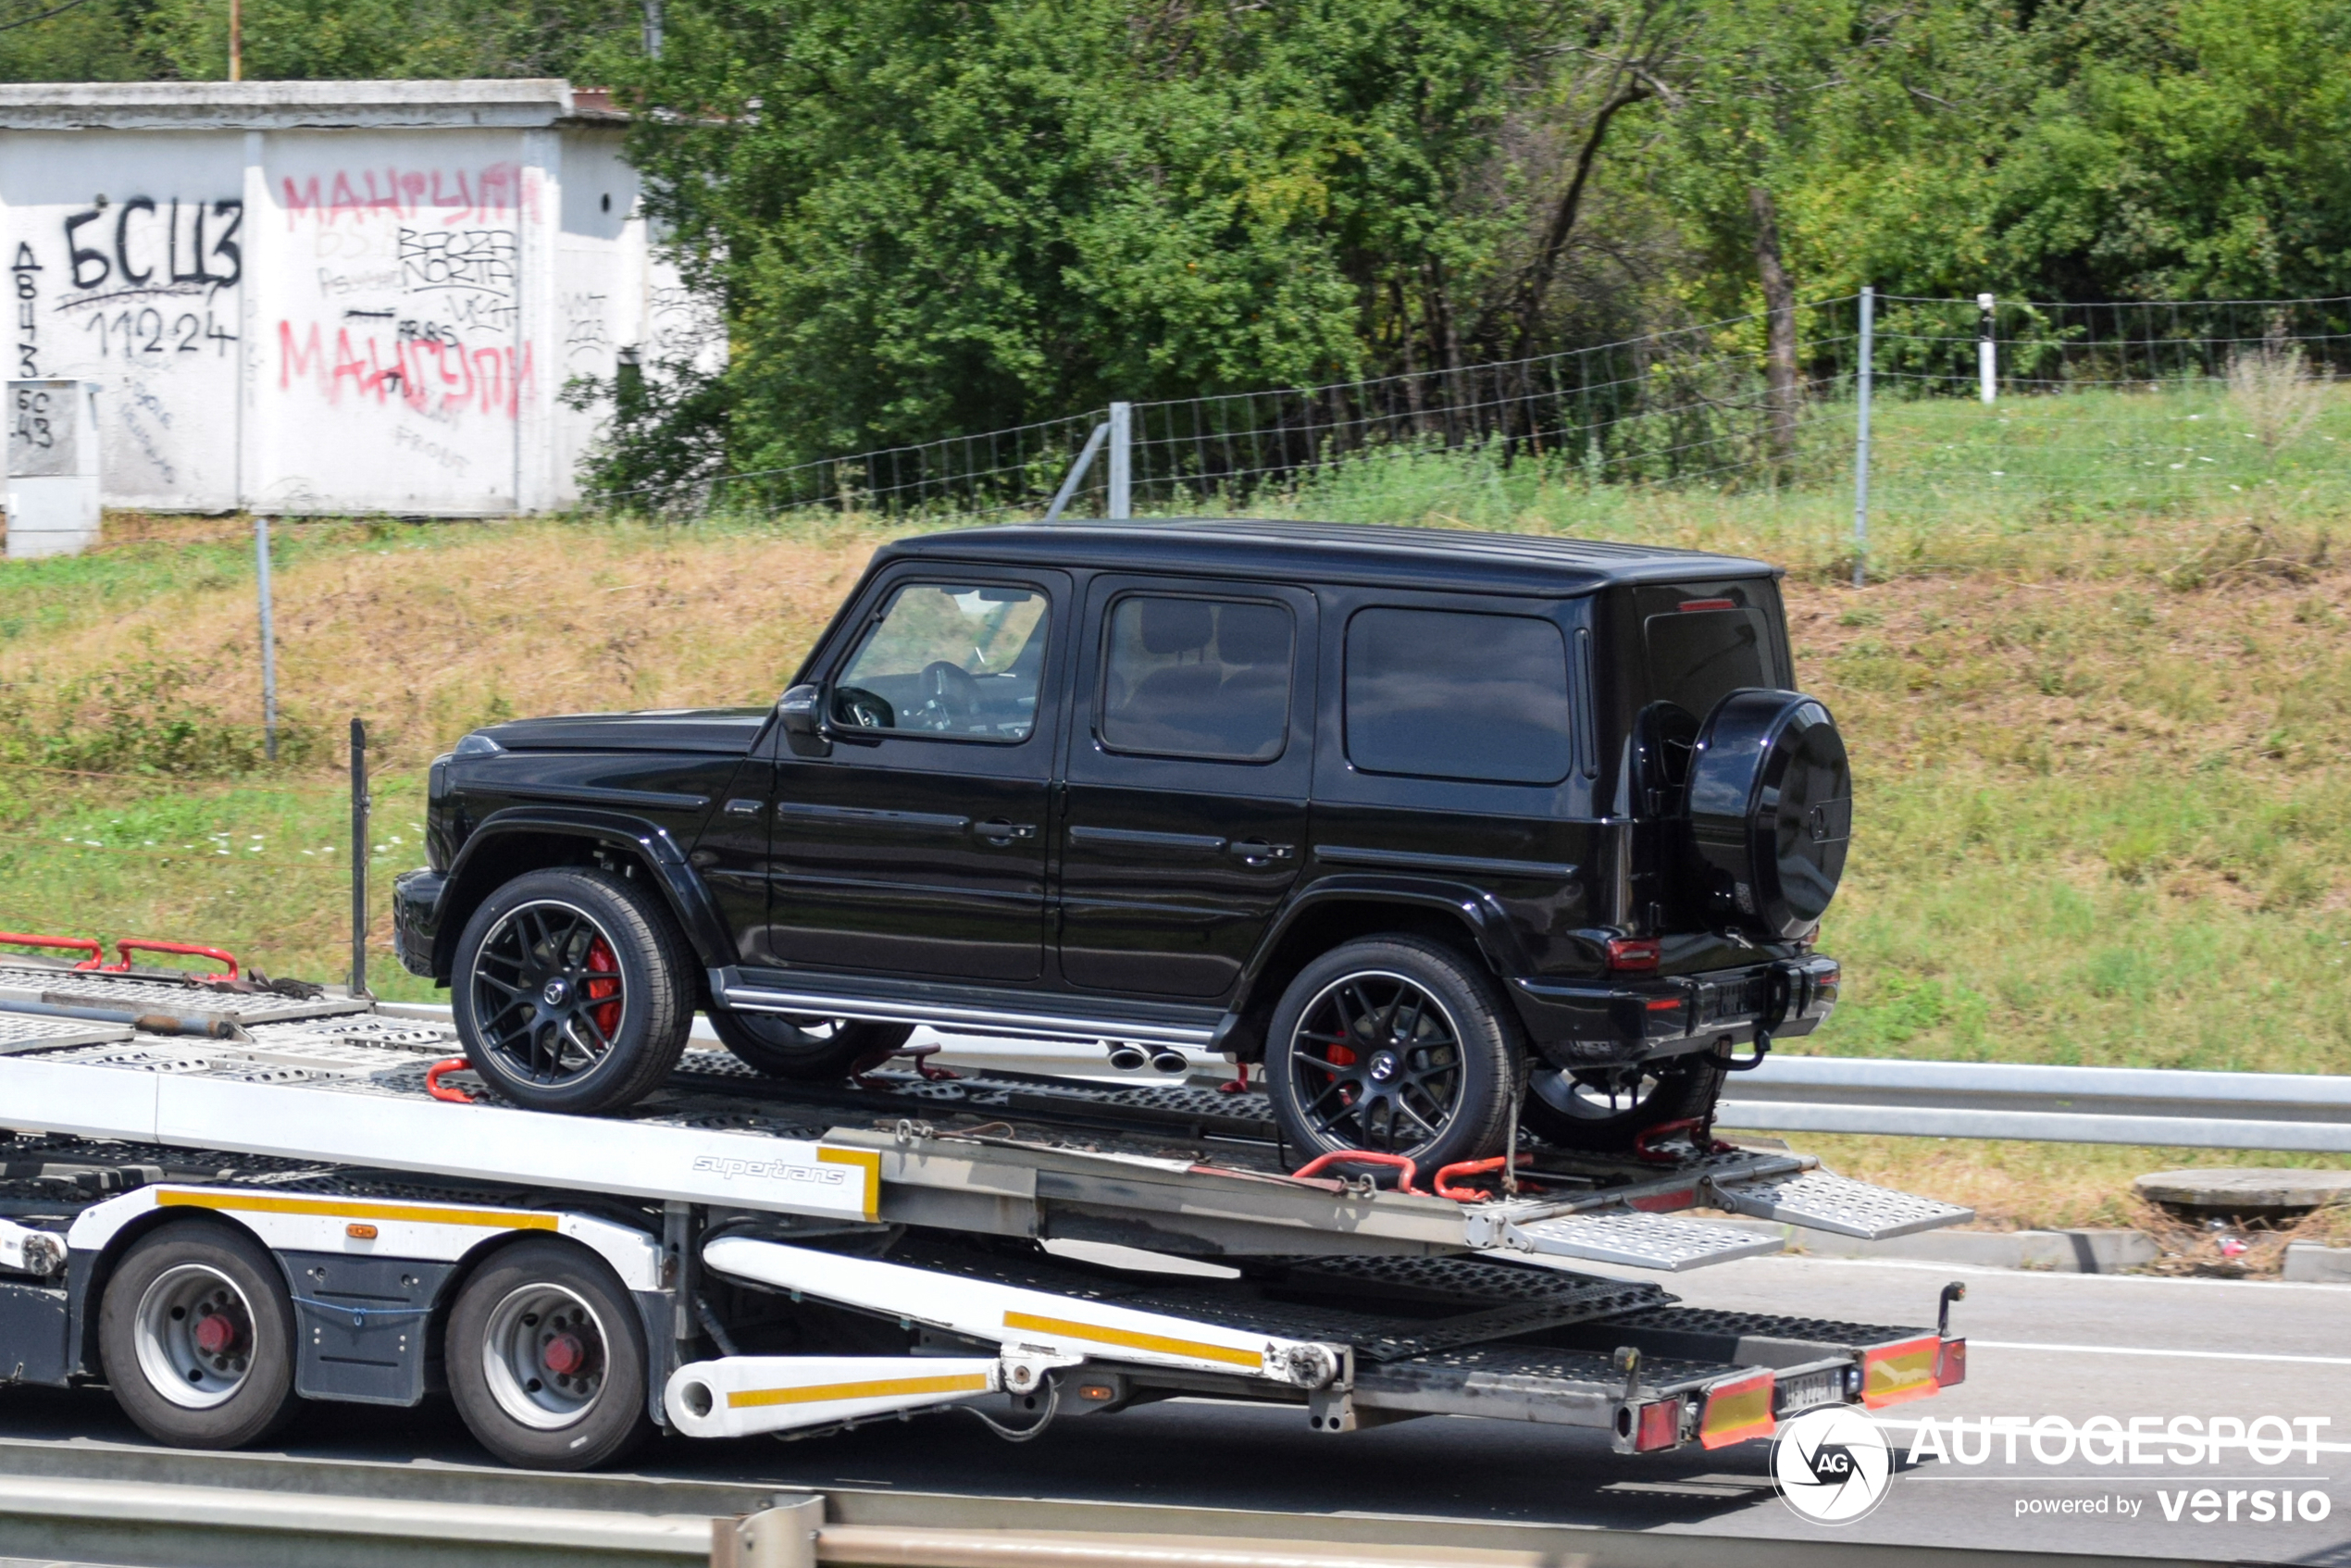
<point x="547" y="1358"/>
<point x="1580" y="1108"/>
<point x="1445" y="1098"/>
<point x="572" y="991"/>
<point x="806" y="1049"/>
<point x="174" y="1370"/>
<point x="1770" y="807"/>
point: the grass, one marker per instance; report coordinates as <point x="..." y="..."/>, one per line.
<point x="2099" y="719"/>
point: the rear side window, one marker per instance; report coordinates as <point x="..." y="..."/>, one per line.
<point x="1197" y="678"/>
<point x="1440" y="695"/>
<point x="1704" y="643"/>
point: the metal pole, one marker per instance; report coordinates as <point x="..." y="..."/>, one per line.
<point x="1987" y="355"/>
<point x="268" y="638"/>
<point x="1862" y="441"/>
<point x="360" y="802"/>
<point x="1121" y="456"/>
<point x="652" y="30"/>
<point x="1076" y="473"/>
<point x="236" y="41"/>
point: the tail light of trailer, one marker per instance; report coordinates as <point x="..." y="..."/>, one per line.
<point x="1951" y="1364"/>
<point x="1650" y="1427"/>
<point x="1736" y="1411"/>
<point x="1905" y="1370"/>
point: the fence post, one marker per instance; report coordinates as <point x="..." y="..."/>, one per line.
<point x="360" y="802"/>
<point x="1121" y="454"/>
<point x="1861" y="441"/>
<point x="268" y="638"/>
<point x="1987" y="366"/>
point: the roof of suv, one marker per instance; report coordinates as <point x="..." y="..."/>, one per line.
<point x="1506" y="563"/>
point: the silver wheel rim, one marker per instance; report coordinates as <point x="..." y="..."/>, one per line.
<point x="545" y="1355"/>
<point x="194" y="1332"/>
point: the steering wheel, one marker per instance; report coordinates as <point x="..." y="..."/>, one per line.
<point x="951" y="697"/>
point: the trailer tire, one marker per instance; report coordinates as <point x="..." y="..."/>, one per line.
<point x="196" y="1337"/>
<point x="547" y="1358"/>
<point x="572" y="991"/>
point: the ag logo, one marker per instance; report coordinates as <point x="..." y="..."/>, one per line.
<point x="1832" y="1465"/>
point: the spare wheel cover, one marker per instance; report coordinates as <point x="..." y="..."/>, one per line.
<point x="1771" y="809"/>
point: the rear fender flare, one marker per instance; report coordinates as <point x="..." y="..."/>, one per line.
<point x="1477" y="911"/>
<point x="475" y="875"/>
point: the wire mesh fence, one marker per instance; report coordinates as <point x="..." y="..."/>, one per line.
<point x="2117" y="408"/>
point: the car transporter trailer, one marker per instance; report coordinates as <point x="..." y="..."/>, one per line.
<point x="219" y="1203"/>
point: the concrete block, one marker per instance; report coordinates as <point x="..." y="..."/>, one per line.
<point x="2244" y="1190"/>
<point x="2306" y="1263"/>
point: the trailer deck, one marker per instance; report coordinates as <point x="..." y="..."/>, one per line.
<point x="908" y="1199"/>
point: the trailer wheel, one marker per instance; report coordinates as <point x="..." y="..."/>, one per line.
<point x="546" y="1359"/>
<point x="1397" y="1045"/>
<point x="806" y="1049"/>
<point x="572" y="991"/>
<point x="197" y="1336"/>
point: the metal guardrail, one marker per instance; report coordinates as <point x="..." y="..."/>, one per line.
<point x="2305" y="1112"/>
<point x="109" y="1502"/>
<point x="2301" y="1111"/>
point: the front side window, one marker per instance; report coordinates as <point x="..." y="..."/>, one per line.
<point x="1441" y="694"/>
<point x="1197" y="678"/>
<point x="959" y="660"/>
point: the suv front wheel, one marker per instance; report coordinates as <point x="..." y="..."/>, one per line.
<point x="570" y="991"/>
<point x="1395" y="1045"/>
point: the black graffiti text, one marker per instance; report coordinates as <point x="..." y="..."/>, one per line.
<point x="177" y="248"/>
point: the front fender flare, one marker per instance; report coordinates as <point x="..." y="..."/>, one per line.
<point x="649" y="843"/>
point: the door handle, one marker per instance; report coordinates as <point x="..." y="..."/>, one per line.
<point x="1257" y="852"/>
<point x="996" y="830"/>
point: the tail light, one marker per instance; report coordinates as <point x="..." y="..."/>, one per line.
<point x="1635" y="954"/>
<point x="1651" y="1426"/>
<point x="1905" y="1370"/>
<point x="1951" y="1364"/>
<point x="1736" y="1411"/>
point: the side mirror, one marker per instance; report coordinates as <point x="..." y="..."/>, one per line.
<point x="802" y="711"/>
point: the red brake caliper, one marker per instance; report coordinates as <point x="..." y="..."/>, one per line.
<point x="602" y="961"/>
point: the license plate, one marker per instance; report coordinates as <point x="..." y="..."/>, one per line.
<point x="1805" y="1389"/>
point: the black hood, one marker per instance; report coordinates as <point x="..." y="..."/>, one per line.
<point x="660" y="730"/>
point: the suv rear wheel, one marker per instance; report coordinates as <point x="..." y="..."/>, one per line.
<point x="571" y="990"/>
<point x="806" y="1049"/>
<point x="1395" y="1045"/>
<point x="1603" y="1110"/>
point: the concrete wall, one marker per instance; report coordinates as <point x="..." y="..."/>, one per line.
<point x="329" y="297"/>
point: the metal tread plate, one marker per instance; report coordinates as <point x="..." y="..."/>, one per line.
<point x="1537" y="1370"/>
<point x="1821" y="1200"/>
<point x="32" y="1031"/>
<point x="1629" y="1238"/>
<point x="1369" y="1325"/>
<point x="96" y="989"/>
<point x="1724" y="1323"/>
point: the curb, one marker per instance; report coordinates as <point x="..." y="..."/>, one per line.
<point x="2306" y="1263"/>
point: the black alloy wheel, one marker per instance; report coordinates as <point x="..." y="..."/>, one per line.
<point x="571" y="991"/>
<point x="807" y="1050"/>
<point x="1605" y="1110"/>
<point x="1393" y="1045"/>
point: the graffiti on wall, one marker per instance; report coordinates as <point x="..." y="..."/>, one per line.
<point x="417" y="300"/>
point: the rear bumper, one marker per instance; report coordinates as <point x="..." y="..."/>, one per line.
<point x="1581" y="1023"/>
<point x="416" y="919"/>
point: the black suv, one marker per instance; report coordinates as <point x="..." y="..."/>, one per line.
<point x="1445" y="829"/>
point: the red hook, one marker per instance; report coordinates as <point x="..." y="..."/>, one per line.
<point x="1364" y="1157"/>
<point x="434" y="1087"/>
